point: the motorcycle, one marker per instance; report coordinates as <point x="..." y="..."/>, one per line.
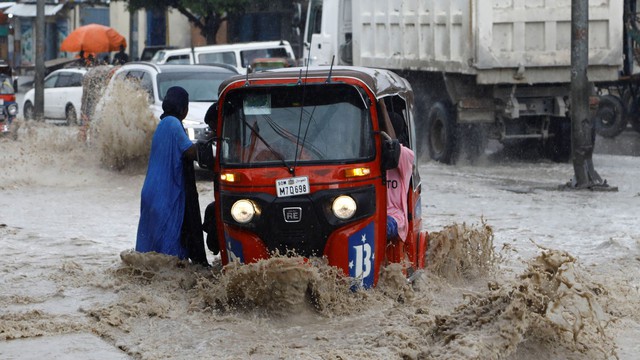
<point x="8" y="104"/>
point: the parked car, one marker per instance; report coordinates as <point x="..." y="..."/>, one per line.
<point x="240" y="55"/>
<point x="62" y="96"/>
<point x="149" y="51"/>
<point x="200" y="81"/>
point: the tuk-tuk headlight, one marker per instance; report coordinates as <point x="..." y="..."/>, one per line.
<point x="12" y="109"/>
<point x="344" y="207"/>
<point x="243" y="211"/>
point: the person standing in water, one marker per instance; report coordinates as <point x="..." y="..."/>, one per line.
<point x="167" y="199"/>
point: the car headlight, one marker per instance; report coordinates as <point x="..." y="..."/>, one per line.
<point x="191" y="123"/>
<point x="12" y="109"/>
<point x="344" y="207"/>
<point x="243" y="211"/>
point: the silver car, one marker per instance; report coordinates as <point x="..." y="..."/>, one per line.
<point x="200" y="81"/>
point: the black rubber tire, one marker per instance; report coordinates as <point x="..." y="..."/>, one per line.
<point x="473" y="141"/>
<point x="71" y="115"/>
<point x="558" y="147"/>
<point x="28" y="111"/>
<point x="610" y="118"/>
<point x="632" y="110"/>
<point x="442" y="134"/>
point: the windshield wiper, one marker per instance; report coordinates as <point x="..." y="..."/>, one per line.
<point x="273" y="151"/>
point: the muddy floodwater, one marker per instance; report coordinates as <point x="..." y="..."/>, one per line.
<point x="517" y="269"/>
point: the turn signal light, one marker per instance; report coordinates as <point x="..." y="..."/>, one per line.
<point x="363" y="171"/>
<point x="228" y="177"/>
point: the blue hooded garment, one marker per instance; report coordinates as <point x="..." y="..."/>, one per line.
<point x="163" y="195"/>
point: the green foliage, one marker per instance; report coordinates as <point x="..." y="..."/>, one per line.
<point x="207" y="15"/>
<point x="199" y="8"/>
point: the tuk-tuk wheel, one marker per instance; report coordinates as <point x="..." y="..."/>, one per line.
<point x="28" y="111"/>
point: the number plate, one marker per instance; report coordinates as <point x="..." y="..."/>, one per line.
<point x="292" y="186"/>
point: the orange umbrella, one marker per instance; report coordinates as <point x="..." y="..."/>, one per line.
<point x="93" y="38"/>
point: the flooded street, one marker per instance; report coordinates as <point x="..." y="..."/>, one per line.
<point x="557" y="276"/>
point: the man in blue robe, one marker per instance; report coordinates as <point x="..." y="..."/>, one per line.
<point x="164" y="200"/>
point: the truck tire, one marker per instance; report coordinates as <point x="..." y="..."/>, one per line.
<point x="473" y="141"/>
<point x="610" y="118"/>
<point x="632" y="110"/>
<point x="442" y="134"/>
<point x="634" y="120"/>
<point x="558" y="147"/>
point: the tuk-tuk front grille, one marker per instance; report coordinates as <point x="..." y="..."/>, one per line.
<point x="306" y="235"/>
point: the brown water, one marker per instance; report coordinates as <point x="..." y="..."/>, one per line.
<point x="510" y="275"/>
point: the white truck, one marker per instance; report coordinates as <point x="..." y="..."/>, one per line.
<point x="481" y="69"/>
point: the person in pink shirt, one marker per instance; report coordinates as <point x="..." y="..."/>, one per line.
<point x="398" y="182"/>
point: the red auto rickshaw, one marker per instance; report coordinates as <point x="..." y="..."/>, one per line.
<point x="300" y="166"/>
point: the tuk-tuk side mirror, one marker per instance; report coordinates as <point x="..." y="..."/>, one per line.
<point x="390" y="152"/>
<point x="211" y="117"/>
<point x="205" y="142"/>
<point x="206" y="157"/>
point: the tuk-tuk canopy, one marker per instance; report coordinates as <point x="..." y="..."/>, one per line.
<point x="381" y="82"/>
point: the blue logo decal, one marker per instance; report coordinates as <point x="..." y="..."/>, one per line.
<point x="234" y="249"/>
<point x="361" y="256"/>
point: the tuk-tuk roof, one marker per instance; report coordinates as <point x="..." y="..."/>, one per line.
<point x="381" y="82"/>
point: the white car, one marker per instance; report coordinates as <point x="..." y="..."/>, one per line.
<point x="200" y="81"/>
<point x="239" y="55"/>
<point x="62" y="96"/>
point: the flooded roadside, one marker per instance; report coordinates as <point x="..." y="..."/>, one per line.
<point x="534" y="273"/>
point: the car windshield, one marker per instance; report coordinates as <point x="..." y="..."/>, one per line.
<point x="201" y="85"/>
<point x="157" y="56"/>
<point x="328" y="123"/>
<point x="248" y="56"/>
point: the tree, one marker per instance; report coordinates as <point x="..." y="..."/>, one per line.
<point x="206" y="15"/>
<point x="582" y="131"/>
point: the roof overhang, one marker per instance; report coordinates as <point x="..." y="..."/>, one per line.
<point x="30" y="10"/>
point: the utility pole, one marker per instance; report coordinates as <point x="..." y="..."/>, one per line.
<point x="582" y="130"/>
<point x="39" y="77"/>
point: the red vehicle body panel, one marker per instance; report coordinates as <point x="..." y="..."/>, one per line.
<point x="360" y="247"/>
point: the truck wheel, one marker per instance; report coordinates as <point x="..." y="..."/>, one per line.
<point x="473" y="139"/>
<point x="558" y="147"/>
<point x="610" y="118"/>
<point x="634" y="119"/>
<point x="442" y="134"/>
<point x="632" y="110"/>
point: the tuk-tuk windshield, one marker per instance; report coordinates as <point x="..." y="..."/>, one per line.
<point x="296" y="124"/>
